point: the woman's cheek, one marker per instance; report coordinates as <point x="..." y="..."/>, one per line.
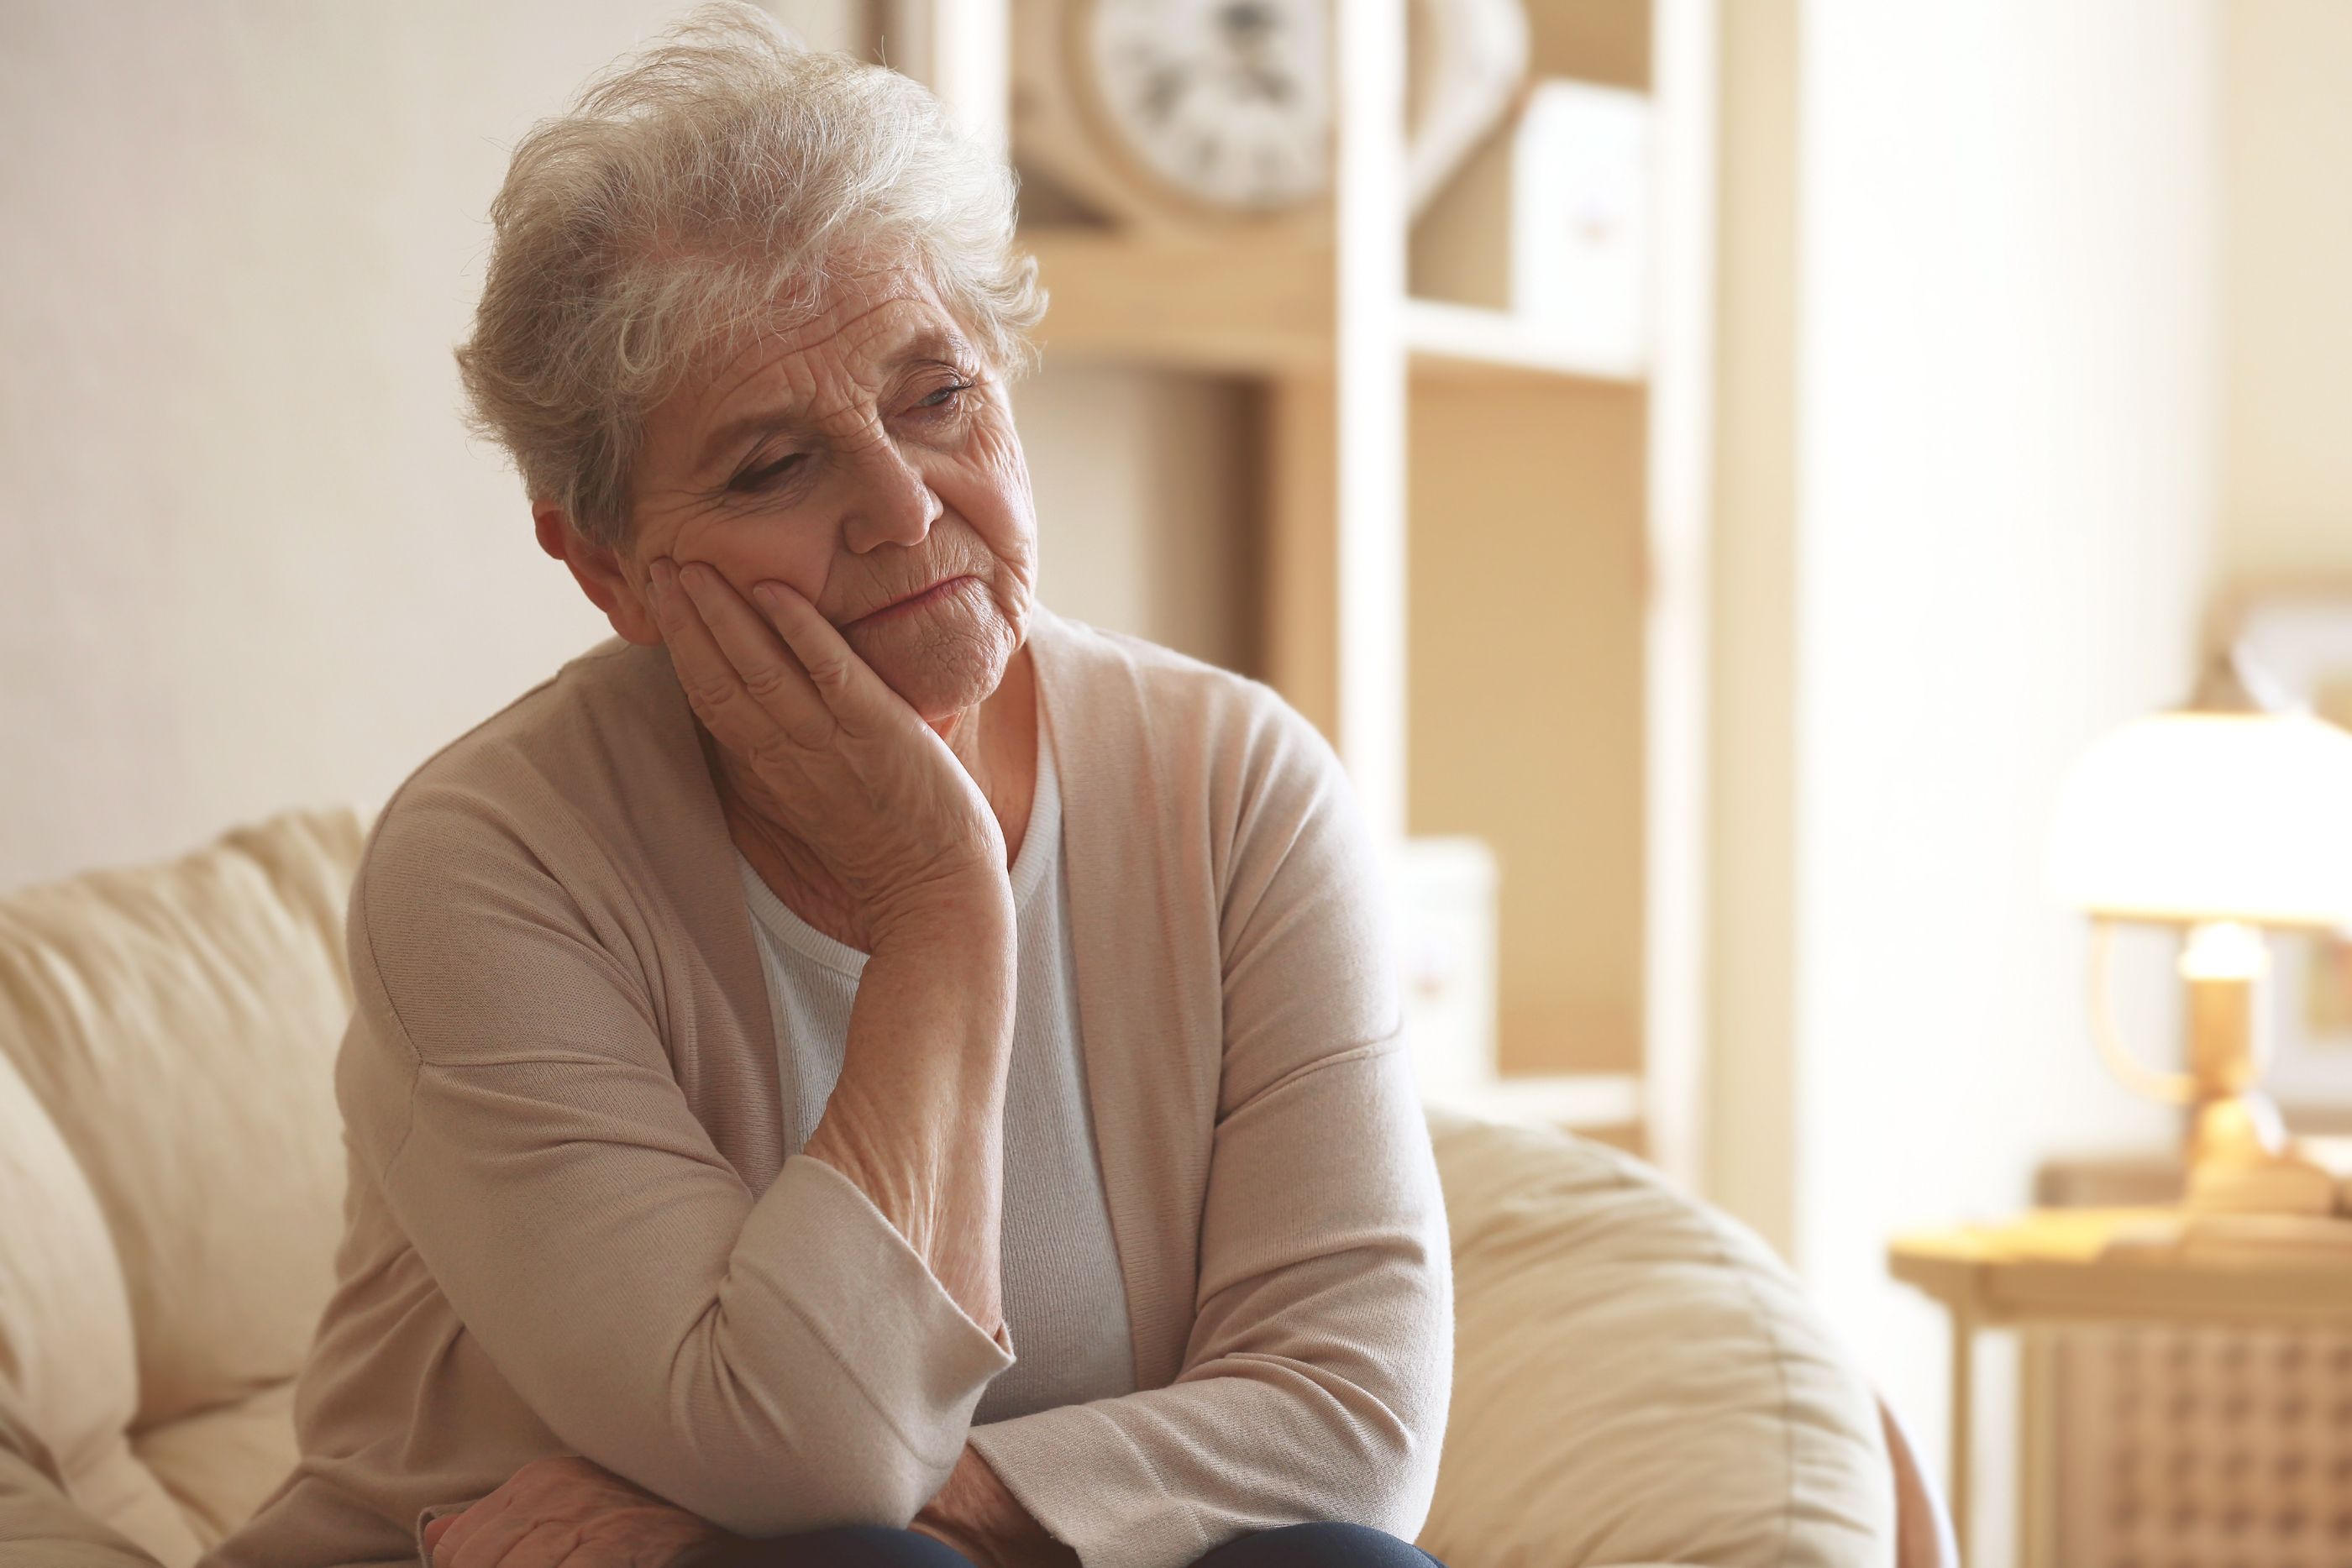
<point x="803" y="571"/>
<point x="998" y="512"/>
<point x="1010" y="511"/>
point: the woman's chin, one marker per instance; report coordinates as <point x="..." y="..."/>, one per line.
<point x="939" y="677"/>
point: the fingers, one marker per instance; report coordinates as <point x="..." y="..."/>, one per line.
<point x="830" y="665"/>
<point x="461" y="1544"/>
<point x="537" y="1517"/>
<point x="561" y="1543"/>
<point x="493" y="1546"/>
<point x="815" y="658"/>
<point x="744" y="684"/>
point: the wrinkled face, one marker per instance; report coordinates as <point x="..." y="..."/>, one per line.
<point x="861" y="457"/>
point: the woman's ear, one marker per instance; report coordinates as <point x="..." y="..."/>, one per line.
<point x="599" y="572"/>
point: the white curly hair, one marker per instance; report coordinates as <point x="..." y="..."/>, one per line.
<point x="693" y="193"/>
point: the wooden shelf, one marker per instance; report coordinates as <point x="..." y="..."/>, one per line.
<point x="1240" y="306"/>
<point x="1449" y="339"/>
<point x="1245" y="306"/>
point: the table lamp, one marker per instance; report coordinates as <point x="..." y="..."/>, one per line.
<point x="2226" y="817"/>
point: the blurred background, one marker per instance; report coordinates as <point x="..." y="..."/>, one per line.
<point x="1712" y="468"/>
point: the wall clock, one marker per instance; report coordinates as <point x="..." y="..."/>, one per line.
<point x="1216" y="112"/>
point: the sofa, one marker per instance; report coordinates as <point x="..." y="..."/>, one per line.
<point x="1638" y="1379"/>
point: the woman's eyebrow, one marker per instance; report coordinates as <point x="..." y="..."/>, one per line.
<point x="928" y="343"/>
<point x="932" y="343"/>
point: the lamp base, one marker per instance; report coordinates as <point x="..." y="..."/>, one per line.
<point x="2233" y="1123"/>
<point x="2282" y="1184"/>
<point x="2241" y="1159"/>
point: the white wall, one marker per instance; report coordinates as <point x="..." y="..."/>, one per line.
<point x="2286" y="453"/>
<point x="1968" y="412"/>
<point x="253" y="560"/>
<point x="2007" y="427"/>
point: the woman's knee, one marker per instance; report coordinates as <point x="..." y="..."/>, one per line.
<point x="1317" y="1545"/>
<point x="851" y="1546"/>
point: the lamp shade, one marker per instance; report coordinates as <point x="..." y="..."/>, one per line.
<point x="2199" y="816"/>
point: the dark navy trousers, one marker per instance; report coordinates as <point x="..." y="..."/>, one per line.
<point x="873" y="1546"/>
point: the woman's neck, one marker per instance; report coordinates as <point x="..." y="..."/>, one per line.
<point x="995" y="741"/>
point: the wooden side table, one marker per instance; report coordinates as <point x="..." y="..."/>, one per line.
<point x="2053" y="1268"/>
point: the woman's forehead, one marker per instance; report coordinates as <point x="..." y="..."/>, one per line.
<point x="860" y="323"/>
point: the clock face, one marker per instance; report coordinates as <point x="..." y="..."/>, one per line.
<point x="1227" y="100"/>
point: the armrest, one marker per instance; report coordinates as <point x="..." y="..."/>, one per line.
<point x="1922" y="1525"/>
<point x="38" y="1522"/>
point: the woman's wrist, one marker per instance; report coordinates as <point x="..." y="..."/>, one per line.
<point x="966" y="914"/>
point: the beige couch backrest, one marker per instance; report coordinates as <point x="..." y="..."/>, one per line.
<point x="170" y="1157"/>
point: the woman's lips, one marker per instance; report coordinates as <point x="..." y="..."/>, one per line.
<point x="930" y="596"/>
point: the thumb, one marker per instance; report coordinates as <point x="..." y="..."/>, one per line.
<point x="437" y="1529"/>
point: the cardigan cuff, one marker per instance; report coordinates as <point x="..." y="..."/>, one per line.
<point x="919" y="1358"/>
<point x="1081" y="1476"/>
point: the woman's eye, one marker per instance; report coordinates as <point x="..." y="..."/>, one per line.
<point x="945" y="396"/>
<point x="753" y="478"/>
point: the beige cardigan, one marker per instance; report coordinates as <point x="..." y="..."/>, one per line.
<point x="572" y="1225"/>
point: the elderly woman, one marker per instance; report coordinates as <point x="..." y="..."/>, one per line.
<point x="854" y="1067"/>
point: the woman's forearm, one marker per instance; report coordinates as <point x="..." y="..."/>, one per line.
<point x="917" y="1118"/>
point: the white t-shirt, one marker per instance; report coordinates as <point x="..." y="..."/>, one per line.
<point x="1064" y="1301"/>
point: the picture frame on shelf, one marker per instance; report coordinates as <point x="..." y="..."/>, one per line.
<point x="2303" y="641"/>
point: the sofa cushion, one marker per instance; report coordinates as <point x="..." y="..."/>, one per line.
<point x="179" y="1023"/>
<point x="68" y="1376"/>
<point x="1637" y="1377"/>
<point x="220" y="1464"/>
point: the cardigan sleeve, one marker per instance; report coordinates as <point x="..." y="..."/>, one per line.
<point x="1317" y="1375"/>
<point x="774" y="1365"/>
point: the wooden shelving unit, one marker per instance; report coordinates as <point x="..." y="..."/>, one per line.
<point x="1484" y="557"/>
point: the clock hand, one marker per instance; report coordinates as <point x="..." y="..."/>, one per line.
<point x="1162" y="91"/>
<point x="1246" y="19"/>
<point x="1272" y="85"/>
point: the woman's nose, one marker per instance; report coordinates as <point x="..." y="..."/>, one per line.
<point x="891" y="502"/>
